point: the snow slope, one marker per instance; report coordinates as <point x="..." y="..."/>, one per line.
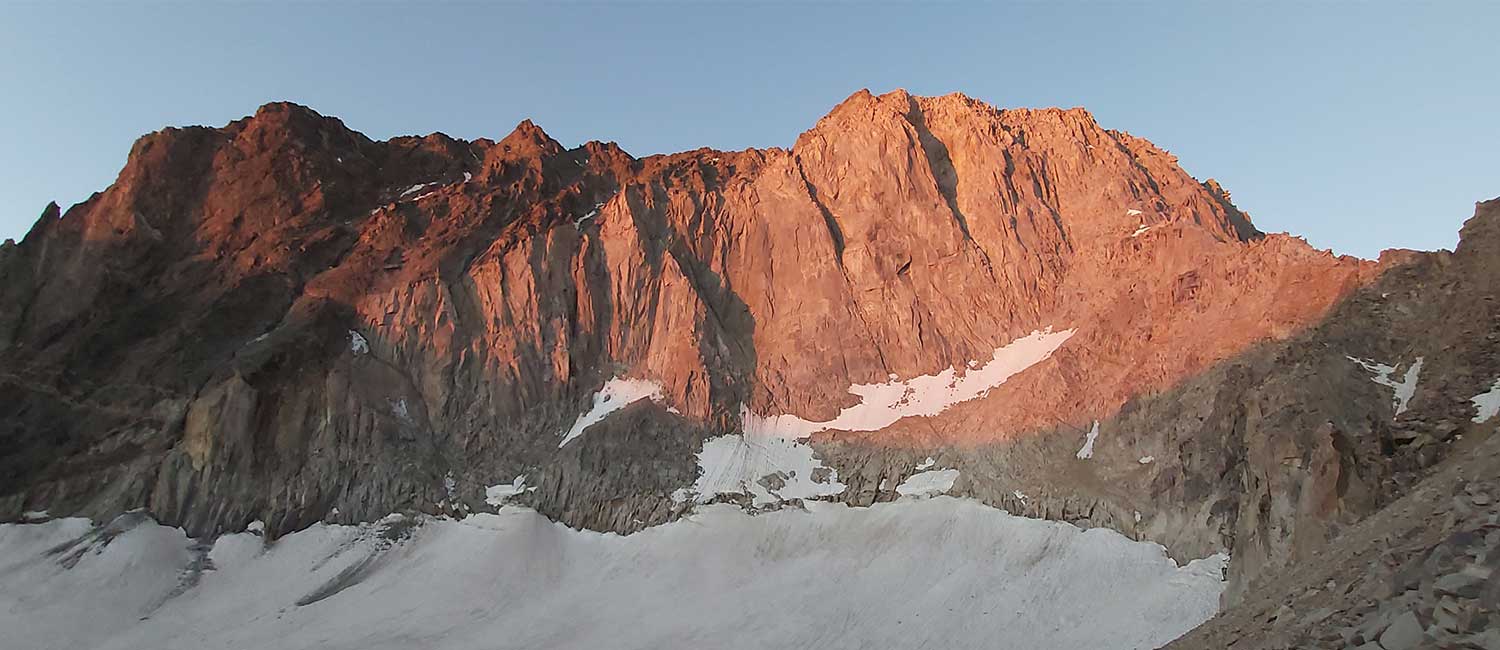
<point x="767" y="463"/>
<point x="928" y="483"/>
<point x="616" y="394"/>
<point x="882" y="405"/>
<point x="934" y="573"/>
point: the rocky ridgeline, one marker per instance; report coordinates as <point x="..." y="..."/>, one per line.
<point x="283" y="320"/>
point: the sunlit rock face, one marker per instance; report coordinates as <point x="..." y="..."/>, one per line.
<point x="285" y="321"/>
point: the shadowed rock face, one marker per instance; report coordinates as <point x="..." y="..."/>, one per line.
<point x="284" y="320"/>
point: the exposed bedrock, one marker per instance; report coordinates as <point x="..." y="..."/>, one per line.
<point x="284" y="320"/>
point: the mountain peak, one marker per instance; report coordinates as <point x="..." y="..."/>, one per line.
<point x="527" y="139"/>
<point x="286" y="108"/>
<point x="436" y="306"/>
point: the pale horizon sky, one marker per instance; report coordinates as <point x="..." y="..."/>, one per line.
<point x="1360" y="126"/>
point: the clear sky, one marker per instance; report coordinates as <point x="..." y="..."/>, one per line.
<point x="1361" y="126"/>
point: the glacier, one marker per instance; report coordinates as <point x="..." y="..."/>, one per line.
<point x="938" y="572"/>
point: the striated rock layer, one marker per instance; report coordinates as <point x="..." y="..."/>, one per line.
<point x="284" y="320"/>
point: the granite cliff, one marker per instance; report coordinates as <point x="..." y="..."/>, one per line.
<point x="283" y="320"/>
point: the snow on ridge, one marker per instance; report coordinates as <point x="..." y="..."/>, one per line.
<point x="1381" y="374"/>
<point x="882" y="405"/>
<point x="616" y="394"/>
<point x="829" y="563"/>
<point x="928" y="483"/>
<point x="1487" y="404"/>
<point x="1087" y="451"/>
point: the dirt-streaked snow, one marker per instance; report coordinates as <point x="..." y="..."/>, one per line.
<point x="357" y="343"/>
<point x="767" y="467"/>
<point x="933" y="573"/>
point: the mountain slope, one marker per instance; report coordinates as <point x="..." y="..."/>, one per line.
<point x="282" y="320"/>
<point x="836" y="577"/>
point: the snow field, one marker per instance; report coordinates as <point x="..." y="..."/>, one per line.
<point x="939" y="572"/>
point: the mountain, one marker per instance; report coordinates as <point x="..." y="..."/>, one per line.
<point x="283" y="321"/>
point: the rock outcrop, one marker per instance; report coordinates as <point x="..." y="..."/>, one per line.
<point x="284" y="320"/>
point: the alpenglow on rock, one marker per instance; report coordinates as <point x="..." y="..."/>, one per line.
<point x="283" y="321"/>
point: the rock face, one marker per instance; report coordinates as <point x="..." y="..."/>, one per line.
<point x="284" y="320"/>
<point x="1421" y="573"/>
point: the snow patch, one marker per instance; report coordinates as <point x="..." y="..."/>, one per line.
<point x="357" y="343"/>
<point x="578" y="223"/>
<point x="497" y="495"/>
<point x="766" y="466"/>
<point x="1132" y="213"/>
<point x="1140" y="231"/>
<point x="412" y="189"/>
<point x="1087" y="451"/>
<point x="929" y="483"/>
<point x="1487" y="404"/>
<point x="1146" y="460"/>
<point x="926" y="464"/>
<point x="450" y="486"/>
<point x="881" y="405"/>
<point x="616" y="394"/>
<point x="1403" y="389"/>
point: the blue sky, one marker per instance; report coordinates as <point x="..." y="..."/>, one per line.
<point x="1361" y="126"/>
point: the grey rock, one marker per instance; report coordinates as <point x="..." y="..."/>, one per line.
<point x="1317" y="616"/>
<point x="1488" y="639"/>
<point x="1404" y="633"/>
<point x="1466" y="583"/>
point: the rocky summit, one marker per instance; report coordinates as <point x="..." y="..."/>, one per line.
<point x="282" y="324"/>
